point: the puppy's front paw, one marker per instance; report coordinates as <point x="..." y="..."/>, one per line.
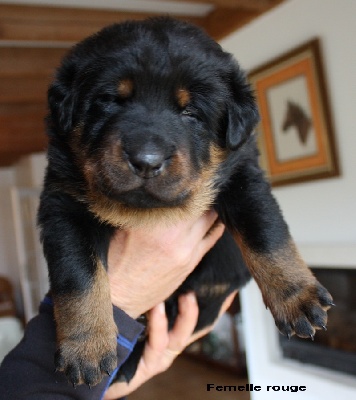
<point x="302" y="310"/>
<point x="87" y="358"/>
<point x="86" y="332"/>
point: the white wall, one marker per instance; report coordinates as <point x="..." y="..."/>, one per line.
<point x="27" y="173"/>
<point x="8" y="261"/>
<point x="318" y="211"/>
<point x="321" y="214"/>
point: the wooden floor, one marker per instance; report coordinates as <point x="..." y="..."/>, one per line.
<point x="187" y="379"/>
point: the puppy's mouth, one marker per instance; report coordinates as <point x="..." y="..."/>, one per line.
<point x="118" y="183"/>
<point x="129" y="193"/>
<point x="143" y="180"/>
<point x="149" y="202"/>
<point x="117" y="195"/>
<point x="135" y="192"/>
<point x="144" y="199"/>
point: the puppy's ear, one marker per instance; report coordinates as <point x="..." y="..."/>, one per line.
<point x="241" y="109"/>
<point x="61" y="102"/>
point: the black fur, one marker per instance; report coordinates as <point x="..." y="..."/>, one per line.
<point x="159" y="56"/>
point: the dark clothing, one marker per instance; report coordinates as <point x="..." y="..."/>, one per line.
<point x="27" y="372"/>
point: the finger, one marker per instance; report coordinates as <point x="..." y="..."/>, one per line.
<point x="116" y="391"/>
<point x="203" y="224"/>
<point x="227" y="302"/>
<point x="157" y="332"/>
<point x="163" y="346"/>
<point x="207" y="243"/>
<point x="151" y="361"/>
<point x="214" y="234"/>
<point x="184" y="325"/>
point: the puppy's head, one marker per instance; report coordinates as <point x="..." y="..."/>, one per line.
<point x="149" y="112"/>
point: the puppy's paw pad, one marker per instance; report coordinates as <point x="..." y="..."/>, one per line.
<point x="304" y="312"/>
<point x="83" y="363"/>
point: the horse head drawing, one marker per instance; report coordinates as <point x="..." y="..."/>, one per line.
<point x="297" y="117"/>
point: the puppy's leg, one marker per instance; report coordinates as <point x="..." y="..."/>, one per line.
<point x="296" y="299"/>
<point x="86" y="332"/>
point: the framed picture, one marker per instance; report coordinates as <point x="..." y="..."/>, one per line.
<point x="295" y="135"/>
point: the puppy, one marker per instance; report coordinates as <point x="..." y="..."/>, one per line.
<point x="151" y="122"/>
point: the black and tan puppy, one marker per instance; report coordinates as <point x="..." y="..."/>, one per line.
<point x="151" y="122"/>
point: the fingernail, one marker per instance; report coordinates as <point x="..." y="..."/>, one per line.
<point x="161" y="308"/>
<point x="191" y="297"/>
<point x="186" y="300"/>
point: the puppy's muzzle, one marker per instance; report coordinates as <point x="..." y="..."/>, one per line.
<point x="147" y="162"/>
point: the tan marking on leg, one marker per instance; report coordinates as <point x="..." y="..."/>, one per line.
<point x="213" y="290"/>
<point x="86" y="332"/>
<point x="287" y="285"/>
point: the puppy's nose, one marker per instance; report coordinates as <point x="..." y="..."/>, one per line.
<point x="147" y="164"/>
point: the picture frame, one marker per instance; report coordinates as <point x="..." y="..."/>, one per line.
<point x="295" y="135"/>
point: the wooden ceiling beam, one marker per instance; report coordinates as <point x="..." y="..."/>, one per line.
<point x="236" y="4"/>
<point x="7" y="159"/>
<point x="30" y="60"/>
<point x="39" y="23"/>
<point x="26" y="68"/>
<point x="56" y="24"/>
<point x="55" y="14"/>
<point x="22" y="128"/>
<point x="23" y="88"/>
<point x="223" y="21"/>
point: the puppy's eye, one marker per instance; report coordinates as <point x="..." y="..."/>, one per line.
<point x="191" y="112"/>
<point x="110" y="99"/>
<point x="107" y="98"/>
<point x="187" y="112"/>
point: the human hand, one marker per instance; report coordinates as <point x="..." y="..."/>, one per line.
<point x="164" y="346"/>
<point x="146" y="267"/>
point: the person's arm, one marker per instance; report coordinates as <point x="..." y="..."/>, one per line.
<point x="27" y="372"/>
<point x="144" y="269"/>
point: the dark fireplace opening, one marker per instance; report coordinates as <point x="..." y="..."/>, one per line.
<point x="335" y="348"/>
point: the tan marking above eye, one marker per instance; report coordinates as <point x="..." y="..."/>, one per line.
<point x="125" y="88"/>
<point x="183" y="97"/>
